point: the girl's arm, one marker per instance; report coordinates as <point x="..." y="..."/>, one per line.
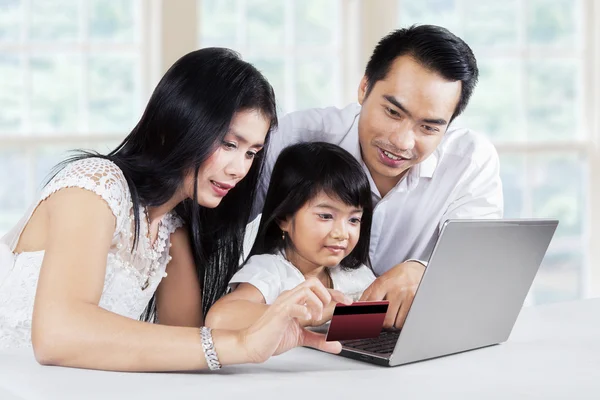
<point x="246" y="304"/>
<point x="238" y="309"/>
<point x="70" y="329"/>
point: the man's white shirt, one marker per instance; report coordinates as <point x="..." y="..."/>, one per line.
<point x="460" y="180"/>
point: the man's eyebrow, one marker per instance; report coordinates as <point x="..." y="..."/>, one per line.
<point x="434" y="121"/>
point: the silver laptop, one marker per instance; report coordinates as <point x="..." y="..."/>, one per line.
<point x="476" y="281"/>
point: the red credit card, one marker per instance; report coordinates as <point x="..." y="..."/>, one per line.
<point x="360" y="320"/>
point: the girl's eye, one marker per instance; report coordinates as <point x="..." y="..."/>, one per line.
<point x="325" y="216"/>
<point x="229" y="145"/>
<point x="355" y="220"/>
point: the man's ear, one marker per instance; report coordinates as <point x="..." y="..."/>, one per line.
<point x="362" y="90"/>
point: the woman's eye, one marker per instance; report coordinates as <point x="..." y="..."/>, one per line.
<point x="251" y="154"/>
<point x="229" y="145"/>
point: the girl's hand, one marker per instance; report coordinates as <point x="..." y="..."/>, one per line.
<point x="280" y="329"/>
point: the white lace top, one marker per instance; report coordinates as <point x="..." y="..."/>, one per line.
<point x="272" y="274"/>
<point x="131" y="277"/>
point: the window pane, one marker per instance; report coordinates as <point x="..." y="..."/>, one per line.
<point x="112" y="20"/>
<point x="559" y="192"/>
<point x="553" y="22"/>
<point x="13" y="190"/>
<point x="11" y="93"/>
<point x="11" y="17"/>
<point x="114" y="90"/>
<point x="265" y="21"/>
<point x="513" y="175"/>
<point x="436" y="12"/>
<point x="23" y="176"/>
<point x="273" y="69"/>
<point x="55" y="93"/>
<point x="315" y="22"/>
<point x="553" y="96"/>
<point x="555" y="186"/>
<point x="491" y="23"/>
<point x="54" y="20"/>
<point x="314" y="83"/>
<point x="218" y="22"/>
<point x="494" y="108"/>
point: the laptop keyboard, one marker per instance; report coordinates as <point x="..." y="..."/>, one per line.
<point x="384" y="344"/>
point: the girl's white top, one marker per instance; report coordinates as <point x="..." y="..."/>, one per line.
<point x="131" y="277"/>
<point x="272" y="274"/>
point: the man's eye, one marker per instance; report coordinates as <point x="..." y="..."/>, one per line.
<point x="429" y="129"/>
<point x="392" y="112"/>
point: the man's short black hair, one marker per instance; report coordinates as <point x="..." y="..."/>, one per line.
<point x="434" y="47"/>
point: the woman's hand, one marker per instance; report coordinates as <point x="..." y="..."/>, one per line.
<point x="280" y="329"/>
<point x="327" y="311"/>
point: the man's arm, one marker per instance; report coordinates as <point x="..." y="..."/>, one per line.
<point x="477" y="195"/>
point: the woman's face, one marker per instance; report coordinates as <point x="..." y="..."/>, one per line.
<point x="232" y="160"/>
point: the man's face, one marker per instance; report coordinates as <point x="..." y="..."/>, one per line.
<point x="403" y="119"/>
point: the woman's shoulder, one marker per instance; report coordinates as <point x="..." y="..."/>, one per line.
<point x="96" y="169"/>
<point x="98" y="175"/>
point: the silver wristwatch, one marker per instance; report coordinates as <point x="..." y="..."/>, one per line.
<point x="209" y="349"/>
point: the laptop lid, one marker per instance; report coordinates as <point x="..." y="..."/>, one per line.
<point x="474" y="286"/>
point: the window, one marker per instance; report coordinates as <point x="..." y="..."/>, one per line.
<point x="295" y="43"/>
<point x="531" y="100"/>
<point x="72" y="77"/>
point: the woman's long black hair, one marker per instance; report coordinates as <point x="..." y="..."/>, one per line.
<point x="186" y="118"/>
<point x="300" y="173"/>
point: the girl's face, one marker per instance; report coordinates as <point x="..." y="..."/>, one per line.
<point x="232" y="159"/>
<point x="323" y="232"/>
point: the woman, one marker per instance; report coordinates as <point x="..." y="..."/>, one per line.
<point x="155" y="228"/>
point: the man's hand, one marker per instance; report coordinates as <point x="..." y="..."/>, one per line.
<point x="398" y="286"/>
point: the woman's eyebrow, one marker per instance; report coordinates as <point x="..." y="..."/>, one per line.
<point x="242" y="139"/>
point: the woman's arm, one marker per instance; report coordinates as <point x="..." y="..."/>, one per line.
<point x="178" y="297"/>
<point x="70" y="329"/>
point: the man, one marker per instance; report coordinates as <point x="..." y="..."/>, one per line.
<point x="421" y="173"/>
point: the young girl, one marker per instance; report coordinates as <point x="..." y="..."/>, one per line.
<point x="156" y="225"/>
<point x="315" y="223"/>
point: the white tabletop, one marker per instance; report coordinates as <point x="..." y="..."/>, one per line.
<point x="553" y="353"/>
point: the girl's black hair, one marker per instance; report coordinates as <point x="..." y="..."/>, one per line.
<point x="301" y="172"/>
<point x="186" y="119"/>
